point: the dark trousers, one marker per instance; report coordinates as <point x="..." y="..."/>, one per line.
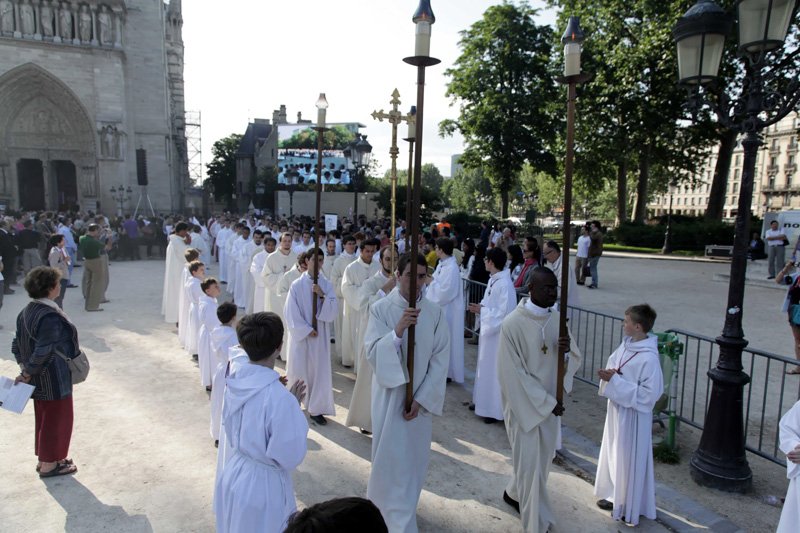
<point x="53" y="429"/>
<point x="60" y="298"/>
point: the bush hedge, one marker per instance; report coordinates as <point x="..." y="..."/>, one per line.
<point x="687" y="234"/>
<point x="465" y="224"/>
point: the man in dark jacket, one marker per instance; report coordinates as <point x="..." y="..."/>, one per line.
<point x="8" y="250"/>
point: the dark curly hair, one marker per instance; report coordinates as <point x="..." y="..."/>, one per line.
<point x="41" y="280"/>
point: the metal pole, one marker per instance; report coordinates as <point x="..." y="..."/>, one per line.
<point x="667" y="248"/>
<point x="409" y="190"/>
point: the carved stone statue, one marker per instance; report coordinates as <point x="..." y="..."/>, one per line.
<point x="106" y="29"/>
<point x="47" y="19"/>
<point x="66" y="22"/>
<point x="6" y="16"/>
<point x="85" y="24"/>
<point x="26" y="19"/>
<point x="88" y="181"/>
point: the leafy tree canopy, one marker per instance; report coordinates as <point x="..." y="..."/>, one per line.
<point x="337" y="138"/>
<point x="221" y="171"/>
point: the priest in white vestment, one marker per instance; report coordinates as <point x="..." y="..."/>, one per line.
<point x="633" y="383"/>
<point x="179" y="242"/>
<point x="402" y="439"/>
<point x="309" y="357"/>
<point x="447" y="290"/>
<point x="234" y="258"/>
<point x="244" y="287"/>
<point x="225" y="233"/>
<point x="330" y="258"/>
<point x="498" y="301"/>
<point x="527" y="366"/>
<point x="790" y="445"/>
<point x="266" y="435"/>
<point x="355" y="311"/>
<point x="256" y="266"/>
<point x="341" y="263"/>
<point x="375" y="288"/>
<point x="277" y="264"/>
<point x="208" y="321"/>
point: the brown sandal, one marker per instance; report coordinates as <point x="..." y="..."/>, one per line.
<point x="61" y="469"/>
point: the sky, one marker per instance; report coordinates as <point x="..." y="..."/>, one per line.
<point x="246" y="58"/>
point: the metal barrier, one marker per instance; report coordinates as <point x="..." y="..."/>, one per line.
<point x="770" y="393"/>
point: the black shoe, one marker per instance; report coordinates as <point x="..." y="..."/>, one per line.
<point x="194" y="356"/>
<point x="592" y="287"/>
<point x="365" y="431"/>
<point x="605" y="505"/>
<point x="216" y="444"/>
<point x="770" y="277"/>
<point x="319" y="419"/>
<point x="449" y="380"/>
<point x="509" y="501"/>
<point x="72" y="286"/>
<point x="472" y="407"/>
<point x="490" y="420"/>
<point x="581" y="282"/>
<point x="208" y="389"/>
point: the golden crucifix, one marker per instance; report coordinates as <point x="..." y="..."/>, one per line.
<point x="394" y="117"/>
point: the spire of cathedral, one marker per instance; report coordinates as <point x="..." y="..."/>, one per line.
<point x="175" y="7"/>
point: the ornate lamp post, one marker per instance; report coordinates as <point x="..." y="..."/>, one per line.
<point x="423" y="21"/>
<point x="322" y="109"/>
<point x="572" y="40"/>
<point x="667" y="248"/>
<point x="291" y="186"/>
<point x="121" y="195"/>
<point x="700" y="34"/>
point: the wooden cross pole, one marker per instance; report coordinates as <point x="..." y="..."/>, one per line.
<point x="394" y="117"/>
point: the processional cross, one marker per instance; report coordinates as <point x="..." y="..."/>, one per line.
<point x="394" y="117"/>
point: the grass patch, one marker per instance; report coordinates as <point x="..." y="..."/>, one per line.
<point x="664" y="454"/>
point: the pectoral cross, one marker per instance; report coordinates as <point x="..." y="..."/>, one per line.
<point x="544" y="349"/>
<point x="394" y="117"/>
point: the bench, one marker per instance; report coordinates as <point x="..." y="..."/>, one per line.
<point x="717" y="250"/>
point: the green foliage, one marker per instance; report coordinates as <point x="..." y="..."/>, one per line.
<point x="466" y="224"/>
<point x="505" y="93"/>
<point x="430" y="199"/>
<point x="687" y="234"/>
<point x="431" y="177"/>
<point x="337" y="138"/>
<point x="664" y="454"/>
<point x="467" y="191"/>
<point x="221" y="180"/>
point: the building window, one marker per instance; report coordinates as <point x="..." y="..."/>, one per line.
<point x="773" y="161"/>
<point x="736" y="174"/>
<point x="774" y="144"/>
<point x="788" y="180"/>
<point x="692" y="201"/>
<point x="735" y="187"/>
<point x="787" y="201"/>
<point x="791" y="160"/>
<point x="737" y="160"/>
<point x="772" y="182"/>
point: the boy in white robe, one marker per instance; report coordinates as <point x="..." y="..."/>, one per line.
<point x="356" y="312"/>
<point x="283" y="292"/>
<point x="223" y="338"/>
<point x="632" y="381"/>
<point x="193" y="294"/>
<point x="402" y="438"/>
<point x="309" y="358"/>
<point x="265" y="433"/>
<point x="498" y="301"/>
<point x="208" y="321"/>
<point x="179" y="242"/>
<point x="189" y="255"/>
<point x="375" y="288"/>
<point x="253" y="248"/>
<point x="225" y="233"/>
<point x="234" y="251"/>
<point x="790" y="445"/>
<point x="447" y="290"/>
<point x="343" y="260"/>
<point x="527" y="367"/>
<point x="242" y="261"/>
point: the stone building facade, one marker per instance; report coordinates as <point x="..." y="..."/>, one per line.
<point x="776" y="186"/>
<point x="83" y="86"/>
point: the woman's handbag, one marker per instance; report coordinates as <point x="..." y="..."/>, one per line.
<point x="78" y="366"/>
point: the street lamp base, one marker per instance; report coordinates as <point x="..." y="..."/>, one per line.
<point x="725" y="475"/>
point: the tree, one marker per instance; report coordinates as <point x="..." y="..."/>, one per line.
<point x="337" y="138"/>
<point x="221" y="171"/>
<point x="431" y="177"/>
<point x="505" y="95"/>
<point x="467" y="191"/>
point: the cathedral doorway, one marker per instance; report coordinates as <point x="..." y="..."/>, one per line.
<point x="30" y="175"/>
<point x="65" y="185"/>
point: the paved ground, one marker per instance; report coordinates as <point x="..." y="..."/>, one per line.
<point x="147" y="462"/>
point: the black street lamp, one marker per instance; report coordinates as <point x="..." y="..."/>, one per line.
<point x="667" y="248"/>
<point x="291" y="185"/>
<point x="720" y="460"/>
<point x="359" y="153"/>
<point x="121" y="195"/>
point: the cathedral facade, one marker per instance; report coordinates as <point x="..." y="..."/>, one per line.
<point x="86" y="88"/>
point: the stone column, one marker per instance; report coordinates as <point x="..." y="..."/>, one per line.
<point x="17" y="21"/>
<point x="37" y="20"/>
<point x="56" y="21"/>
<point x="93" y="11"/>
<point x="76" y="28"/>
<point x="117" y="17"/>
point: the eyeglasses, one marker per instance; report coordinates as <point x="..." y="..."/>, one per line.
<point x="548" y="252"/>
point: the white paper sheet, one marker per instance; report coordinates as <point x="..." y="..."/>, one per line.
<point x="14" y="398"/>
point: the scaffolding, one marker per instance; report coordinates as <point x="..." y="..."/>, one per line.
<point x="194" y="147"/>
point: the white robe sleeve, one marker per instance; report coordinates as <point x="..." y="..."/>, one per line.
<point x="288" y="431"/>
<point x="298" y="327"/>
<point x="271" y="279"/>
<point x="353" y="295"/>
<point x="492" y="317"/>
<point x="444" y="288"/>
<point x="430" y="393"/>
<point x="642" y="394"/>
<point x="255" y="272"/>
<point x="383" y="355"/>
<point x="790" y="437"/>
<point x="327" y="309"/>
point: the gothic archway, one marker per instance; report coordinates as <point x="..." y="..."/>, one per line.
<point x="42" y="119"/>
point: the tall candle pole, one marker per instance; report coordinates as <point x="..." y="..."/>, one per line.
<point x="322" y="106"/>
